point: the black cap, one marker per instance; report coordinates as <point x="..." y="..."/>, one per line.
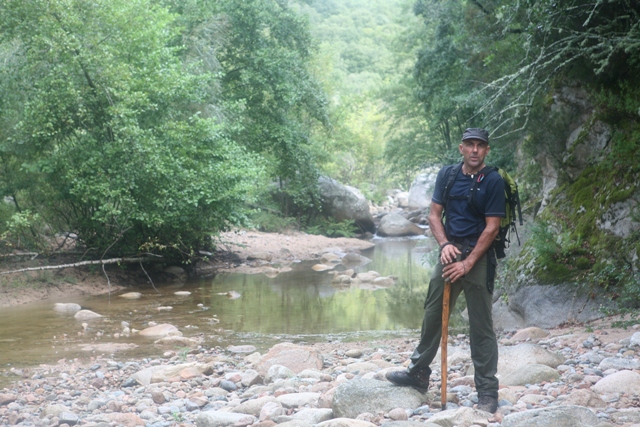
<point x="476" y="133"/>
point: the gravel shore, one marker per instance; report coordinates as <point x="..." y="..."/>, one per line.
<point x="595" y="371"/>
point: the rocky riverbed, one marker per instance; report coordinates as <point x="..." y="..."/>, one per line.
<point x="581" y="376"/>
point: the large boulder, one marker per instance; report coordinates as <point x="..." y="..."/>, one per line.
<point x="530" y="374"/>
<point x="395" y="225"/>
<point x="357" y="396"/>
<point x="619" y="382"/>
<point x="421" y="190"/>
<point x="342" y="203"/>
<point x="549" y="306"/>
<point x="513" y="358"/>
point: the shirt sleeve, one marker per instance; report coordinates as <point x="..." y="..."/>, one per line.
<point x="495" y="203"/>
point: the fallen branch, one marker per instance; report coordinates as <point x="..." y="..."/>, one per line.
<point x="82" y="263"/>
<point x="29" y="254"/>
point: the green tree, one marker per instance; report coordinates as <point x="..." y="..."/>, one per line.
<point x="262" y="50"/>
<point x="107" y="132"/>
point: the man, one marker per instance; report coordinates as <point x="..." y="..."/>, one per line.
<point x="468" y="260"/>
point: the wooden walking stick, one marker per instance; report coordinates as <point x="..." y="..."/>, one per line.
<point x="443" y="342"/>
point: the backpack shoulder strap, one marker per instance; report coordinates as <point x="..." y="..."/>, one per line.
<point x="449" y="178"/>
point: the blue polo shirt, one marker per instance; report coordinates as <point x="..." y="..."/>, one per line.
<point x="462" y="221"/>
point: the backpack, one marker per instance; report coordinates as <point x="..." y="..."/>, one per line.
<point x="512" y="203"/>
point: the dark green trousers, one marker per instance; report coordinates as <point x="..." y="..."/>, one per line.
<point x="484" y="346"/>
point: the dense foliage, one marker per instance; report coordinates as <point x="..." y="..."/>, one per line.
<point x="139" y="126"/>
<point x="492" y="63"/>
<point x="149" y="125"/>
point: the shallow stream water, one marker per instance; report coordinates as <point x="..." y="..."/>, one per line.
<point x="298" y="306"/>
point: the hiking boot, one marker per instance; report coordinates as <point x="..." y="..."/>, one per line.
<point x="418" y="380"/>
<point x="488" y="404"/>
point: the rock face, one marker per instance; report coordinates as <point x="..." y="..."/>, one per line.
<point x="550" y="306"/>
<point x="359" y="396"/>
<point x="395" y="225"/>
<point x="579" y="145"/>
<point x="342" y="203"/>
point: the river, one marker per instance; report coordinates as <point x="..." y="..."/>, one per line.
<point x="298" y="306"/>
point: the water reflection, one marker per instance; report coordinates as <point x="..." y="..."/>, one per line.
<point x="300" y="305"/>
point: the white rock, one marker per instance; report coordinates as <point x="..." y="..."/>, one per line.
<point x="159" y="331"/>
<point x="271" y="410"/>
<point x="345" y="422"/>
<point x="314" y="415"/>
<point x="86" y="315"/>
<point x="131" y="295"/>
<point x="295" y="400"/>
<point x="223" y="419"/>
<point x="67" y="307"/>
<point x="621" y="382"/>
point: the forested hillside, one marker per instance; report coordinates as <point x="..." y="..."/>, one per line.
<point x="148" y="126"/>
<point x="358" y="61"/>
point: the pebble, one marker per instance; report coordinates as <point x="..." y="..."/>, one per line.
<point x="103" y="392"/>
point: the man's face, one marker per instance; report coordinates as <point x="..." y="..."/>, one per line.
<point x="473" y="152"/>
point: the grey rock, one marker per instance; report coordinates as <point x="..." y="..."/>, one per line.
<point x="223" y="419"/>
<point x="518" y="356"/>
<point x="159" y="331"/>
<point x="364" y="395"/>
<point x="7" y="398"/>
<point x="251" y="377"/>
<point x="86" y="315"/>
<point x="459" y="417"/>
<point x="53" y="411"/>
<point x="504" y="318"/>
<point x="353" y="352"/>
<point x="271" y="411"/>
<point x="619" y="363"/>
<point x="583" y="397"/>
<point x="295" y="357"/>
<point x="395" y="225"/>
<point x="530" y="374"/>
<point x="314" y="415"/>
<point x="296" y="400"/>
<point x="228" y="385"/>
<point x="96" y="404"/>
<point x="241" y="349"/>
<point x="294" y="423"/>
<point x="66" y="307"/>
<point x="557" y="416"/>
<point x="253" y="406"/>
<point x="620" y="382"/>
<point x="409" y="423"/>
<point x="345" y="422"/>
<point x="345" y="203"/>
<point x="628" y="415"/>
<point x="67" y="417"/>
<point x="549" y="306"/>
<point x="532" y="334"/>
<point x="421" y="190"/>
<point x="353" y="259"/>
<point x="278" y="372"/>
